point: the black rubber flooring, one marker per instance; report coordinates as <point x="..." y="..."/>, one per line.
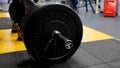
<point x="97" y="54"/>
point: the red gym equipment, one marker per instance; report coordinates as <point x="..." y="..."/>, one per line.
<point x="110" y="8"/>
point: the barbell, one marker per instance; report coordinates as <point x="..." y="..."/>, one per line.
<point x="51" y="32"/>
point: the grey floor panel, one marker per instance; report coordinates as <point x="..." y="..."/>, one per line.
<point x="22" y="59"/>
<point x="4" y="6"/>
<point x="5" y="23"/>
<point x="7" y="61"/>
<point x="108" y="25"/>
<point x="105" y="50"/>
<point x="13" y="60"/>
<point x="97" y="54"/>
<point x="115" y="64"/>
<point x="99" y="66"/>
<point x="83" y="58"/>
<point x="80" y="59"/>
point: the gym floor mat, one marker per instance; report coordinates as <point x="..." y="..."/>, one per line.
<point x="96" y="54"/>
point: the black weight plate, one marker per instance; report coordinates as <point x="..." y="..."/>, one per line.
<point x="16" y="11"/>
<point x="37" y="28"/>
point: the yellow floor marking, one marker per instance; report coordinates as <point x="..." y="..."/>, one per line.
<point x="90" y="34"/>
<point x="4" y="14"/>
<point x="8" y="42"/>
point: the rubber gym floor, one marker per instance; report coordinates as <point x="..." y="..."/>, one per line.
<point x="100" y="47"/>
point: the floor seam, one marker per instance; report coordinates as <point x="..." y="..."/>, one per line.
<point x="98" y="58"/>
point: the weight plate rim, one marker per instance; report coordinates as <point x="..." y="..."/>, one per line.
<point x="80" y="28"/>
